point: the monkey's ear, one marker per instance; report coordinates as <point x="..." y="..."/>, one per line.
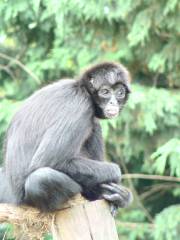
<point x="128" y="86"/>
<point x="91" y="81"/>
<point x="125" y="77"/>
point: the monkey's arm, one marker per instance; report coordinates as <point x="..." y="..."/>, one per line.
<point x="118" y="195"/>
<point x="95" y="145"/>
<point x="61" y="153"/>
<point x="90" y="173"/>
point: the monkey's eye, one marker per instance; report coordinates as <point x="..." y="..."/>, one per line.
<point x="104" y="92"/>
<point x="121" y="92"/>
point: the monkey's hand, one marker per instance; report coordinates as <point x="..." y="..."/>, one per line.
<point x="117" y="195"/>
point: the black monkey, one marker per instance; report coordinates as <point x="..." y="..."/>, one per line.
<point x="54" y="146"/>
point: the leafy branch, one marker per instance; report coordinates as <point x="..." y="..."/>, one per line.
<point x="21" y="65"/>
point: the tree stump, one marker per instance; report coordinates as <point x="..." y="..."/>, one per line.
<point x="86" y="221"/>
<point x="79" y="219"/>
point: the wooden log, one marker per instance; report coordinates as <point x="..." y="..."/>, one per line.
<point x="87" y="221"/>
<point x="79" y="219"/>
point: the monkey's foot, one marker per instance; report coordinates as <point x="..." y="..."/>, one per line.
<point x="117" y="195"/>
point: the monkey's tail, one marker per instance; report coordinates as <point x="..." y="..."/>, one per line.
<point x="6" y="195"/>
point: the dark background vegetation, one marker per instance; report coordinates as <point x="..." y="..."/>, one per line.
<point x="45" y="40"/>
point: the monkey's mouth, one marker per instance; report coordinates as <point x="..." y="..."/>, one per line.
<point x="112" y="112"/>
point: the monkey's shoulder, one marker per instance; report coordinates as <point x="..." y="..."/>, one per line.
<point x="59" y="86"/>
<point x="57" y="92"/>
<point x="54" y="102"/>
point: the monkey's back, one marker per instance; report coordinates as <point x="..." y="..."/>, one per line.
<point x="51" y="107"/>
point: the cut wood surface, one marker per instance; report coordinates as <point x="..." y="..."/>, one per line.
<point x="79" y="219"/>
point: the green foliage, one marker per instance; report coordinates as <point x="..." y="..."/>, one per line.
<point x="6" y="232"/>
<point x="123" y="30"/>
<point x="48" y="237"/>
<point x="140" y="29"/>
<point x="42" y="40"/>
<point x="140" y="231"/>
<point x="168" y="152"/>
<point x="168" y="224"/>
<point x="7" y="109"/>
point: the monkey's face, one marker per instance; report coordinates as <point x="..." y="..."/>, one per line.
<point x="109" y="89"/>
<point x="109" y="100"/>
<point x="109" y="86"/>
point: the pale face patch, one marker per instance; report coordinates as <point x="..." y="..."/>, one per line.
<point x="92" y="81"/>
<point x="111" y="78"/>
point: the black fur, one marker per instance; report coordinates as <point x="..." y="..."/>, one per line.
<point x="54" y="146"/>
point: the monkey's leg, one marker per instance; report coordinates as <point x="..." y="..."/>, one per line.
<point x="47" y="189"/>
